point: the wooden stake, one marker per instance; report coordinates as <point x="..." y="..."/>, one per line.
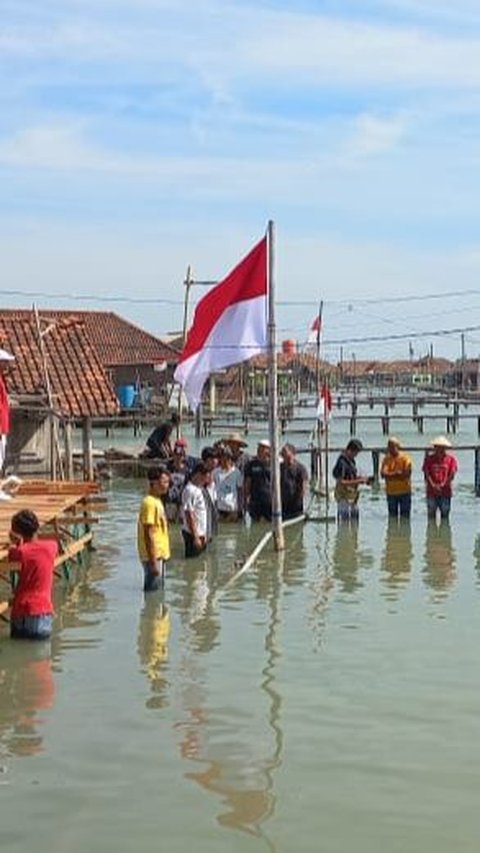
<point x="277" y="529"/>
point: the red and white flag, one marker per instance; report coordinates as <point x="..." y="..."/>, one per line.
<point x="229" y="324"/>
<point x="315" y="333"/>
<point x="325" y="404"/>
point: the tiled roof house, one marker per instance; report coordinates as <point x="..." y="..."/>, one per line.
<point x="79" y="384"/>
<point x="128" y="353"/>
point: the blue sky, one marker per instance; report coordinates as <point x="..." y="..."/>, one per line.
<point x="140" y="136"/>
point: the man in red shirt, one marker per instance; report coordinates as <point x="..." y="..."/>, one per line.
<point x="32" y="608"/>
<point x="5" y="361"/>
<point x="439" y="469"/>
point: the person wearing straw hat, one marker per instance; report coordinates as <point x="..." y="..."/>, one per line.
<point x="439" y="469"/>
<point x="237" y="445"/>
<point x="396" y="470"/>
<point x="6" y="360"/>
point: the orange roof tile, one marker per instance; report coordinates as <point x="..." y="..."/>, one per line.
<point x="79" y="384"/>
<point x="116" y="340"/>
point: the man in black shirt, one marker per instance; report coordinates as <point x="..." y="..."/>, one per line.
<point x="348" y="481"/>
<point x="258" y="496"/>
<point x="293" y="480"/>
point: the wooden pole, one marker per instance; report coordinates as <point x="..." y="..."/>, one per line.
<point x="56" y="457"/>
<point x="327" y="442"/>
<point x="278" y="537"/>
<point x="87" y="449"/>
<point x="319" y="397"/>
<point x="68" y="450"/>
<point x="188" y="285"/>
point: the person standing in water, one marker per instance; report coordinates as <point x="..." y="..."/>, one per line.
<point x="396" y="470"/>
<point x="348" y="481"/>
<point x="153" y="540"/>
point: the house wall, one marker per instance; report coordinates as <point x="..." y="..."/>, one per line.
<point x="142" y="374"/>
<point x="29" y="444"/>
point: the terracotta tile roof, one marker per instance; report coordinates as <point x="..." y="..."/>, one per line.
<point x="287" y="360"/>
<point x="116" y="340"/>
<point x="422" y="365"/>
<point x="78" y="381"/>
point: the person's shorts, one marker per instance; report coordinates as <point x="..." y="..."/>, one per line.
<point x="32" y="627"/>
<point x="347" y="511"/>
<point x="152" y="582"/>
<point x="191" y="550"/>
<point x="441" y="503"/>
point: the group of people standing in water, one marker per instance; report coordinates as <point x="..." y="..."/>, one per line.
<point x="223" y="484"/>
<point x="439" y="469"/>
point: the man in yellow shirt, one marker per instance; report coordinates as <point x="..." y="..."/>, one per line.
<point x="396" y="470"/>
<point x="152" y="530"/>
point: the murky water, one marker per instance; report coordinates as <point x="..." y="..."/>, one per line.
<point x="328" y="701"/>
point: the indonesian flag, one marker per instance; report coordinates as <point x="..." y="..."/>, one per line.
<point x="315" y="332"/>
<point x="229" y="324"/>
<point x="325" y="404"/>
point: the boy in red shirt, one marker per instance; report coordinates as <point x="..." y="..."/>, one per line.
<point x="439" y="469"/>
<point x="32" y="609"/>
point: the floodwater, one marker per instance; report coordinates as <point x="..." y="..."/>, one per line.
<point x="327" y="701"/>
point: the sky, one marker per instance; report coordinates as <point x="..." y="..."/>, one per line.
<point x="138" y="137"/>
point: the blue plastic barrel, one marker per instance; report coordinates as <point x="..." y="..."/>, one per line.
<point x="126" y="396"/>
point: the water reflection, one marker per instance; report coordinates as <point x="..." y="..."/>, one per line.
<point x="346" y="557"/>
<point x="397" y="555"/>
<point x="238" y="748"/>
<point x="27" y="687"/>
<point x="152" y="646"/>
<point x="439" y="571"/>
<point x="476" y="556"/>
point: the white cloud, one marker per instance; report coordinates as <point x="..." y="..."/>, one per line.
<point x="375" y="135"/>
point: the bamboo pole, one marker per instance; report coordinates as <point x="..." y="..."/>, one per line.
<point x="188" y="286"/>
<point x="278" y="537"/>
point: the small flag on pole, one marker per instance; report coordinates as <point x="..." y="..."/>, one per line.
<point x="229" y="324"/>
<point x="315" y="332"/>
<point x="325" y="404"/>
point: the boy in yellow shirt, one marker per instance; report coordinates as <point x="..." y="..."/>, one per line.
<point x="396" y="470"/>
<point x="152" y="530"/>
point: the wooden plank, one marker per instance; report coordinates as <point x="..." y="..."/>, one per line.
<point x="73" y="549"/>
<point x="77" y="519"/>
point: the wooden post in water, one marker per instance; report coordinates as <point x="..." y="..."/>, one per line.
<point x="68" y="450"/>
<point x="277" y="529"/>
<point x="477" y="472"/>
<point x="87" y="442"/>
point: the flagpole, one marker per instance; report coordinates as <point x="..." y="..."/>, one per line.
<point x="277" y="529"/>
<point x="319" y="472"/>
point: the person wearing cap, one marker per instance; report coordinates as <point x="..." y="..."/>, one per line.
<point x="396" y="470"/>
<point x="237" y="445"/>
<point x="293" y="481"/>
<point x="153" y="540"/>
<point x="6" y="360"/>
<point x="439" y="469"/>
<point x="347" y="481"/>
<point x="258" y="497"/>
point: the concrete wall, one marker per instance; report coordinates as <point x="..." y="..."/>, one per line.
<point x="29" y="444"/>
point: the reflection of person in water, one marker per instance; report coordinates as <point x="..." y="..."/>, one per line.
<point x="397" y="554"/>
<point x="439" y="572"/>
<point x="346" y="557"/>
<point x="152" y="646"/>
<point x="27" y="687"/>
